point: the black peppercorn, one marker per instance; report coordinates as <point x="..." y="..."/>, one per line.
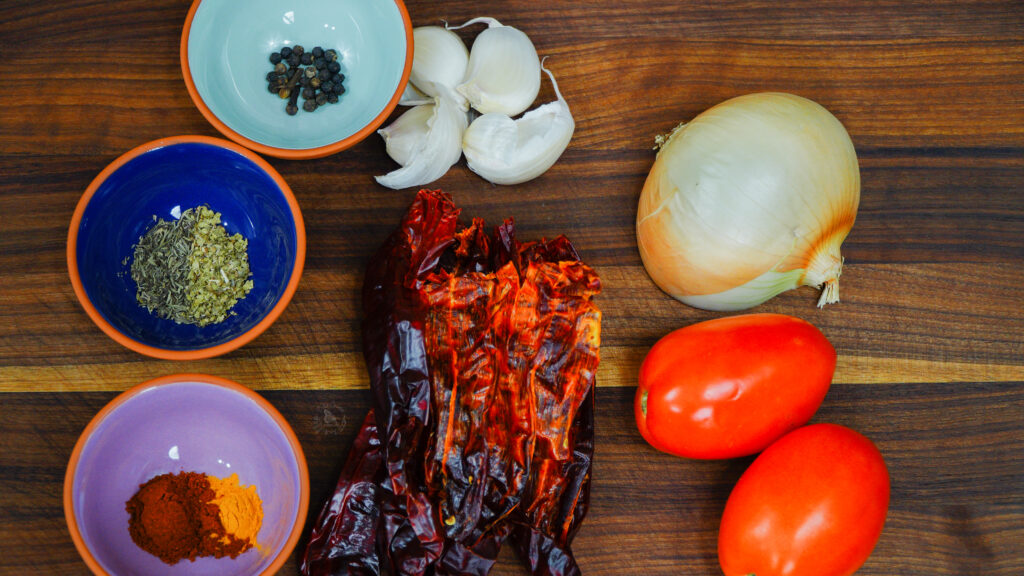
<point x="314" y="75"/>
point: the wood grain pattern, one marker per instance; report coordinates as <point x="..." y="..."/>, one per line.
<point x="652" y="513"/>
<point x="944" y="322"/>
<point x="930" y="330"/>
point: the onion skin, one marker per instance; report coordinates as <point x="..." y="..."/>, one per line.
<point x="751" y="198"/>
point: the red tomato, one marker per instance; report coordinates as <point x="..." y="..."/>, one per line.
<point x="730" y="387"/>
<point x="812" y="503"/>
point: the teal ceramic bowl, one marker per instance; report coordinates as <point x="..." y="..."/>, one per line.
<point x="225" y="50"/>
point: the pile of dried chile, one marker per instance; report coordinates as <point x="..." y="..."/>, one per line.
<point x="482" y="353"/>
<point x="315" y="75"/>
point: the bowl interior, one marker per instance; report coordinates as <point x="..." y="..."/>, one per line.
<point x="192" y="427"/>
<point x="229" y="46"/>
<point x="164" y="182"/>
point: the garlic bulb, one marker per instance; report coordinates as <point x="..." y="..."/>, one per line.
<point x="503" y="75"/>
<point x="426" y="141"/>
<point x="440" y="58"/>
<point x="752" y="198"/>
<point x="506" y="151"/>
<point x="499" y="78"/>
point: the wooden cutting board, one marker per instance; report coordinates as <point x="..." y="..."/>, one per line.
<point x="930" y="330"/>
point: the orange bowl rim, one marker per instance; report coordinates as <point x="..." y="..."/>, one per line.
<point x="119" y="400"/>
<point x="296" y="153"/>
<point x="199" y="353"/>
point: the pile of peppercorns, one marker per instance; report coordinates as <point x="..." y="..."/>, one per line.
<point x="315" y="75"/>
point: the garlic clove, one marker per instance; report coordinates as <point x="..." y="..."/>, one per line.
<point x="430" y="145"/>
<point x="440" y="58"/>
<point x="411" y="96"/>
<point x="404" y="135"/>
<point x="503" y="75"/>
<point x="506" y="151"/>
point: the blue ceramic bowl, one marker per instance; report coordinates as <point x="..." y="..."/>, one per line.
<point x="225" y="50"/>
<point x="164" y="178"/>
<point x="184" y="423"/>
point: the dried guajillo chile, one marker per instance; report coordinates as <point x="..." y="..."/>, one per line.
<point x="344" y="538"/>
<point x="481" y="354"/>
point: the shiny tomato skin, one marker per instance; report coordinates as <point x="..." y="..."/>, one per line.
<point x="812" y="504"/>
<point x="731" y="386"/>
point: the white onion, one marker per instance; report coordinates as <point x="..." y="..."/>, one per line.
<point x="750" y="199"/>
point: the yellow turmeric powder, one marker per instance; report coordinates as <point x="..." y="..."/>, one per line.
<point x="190" y="515"/>
<point x="241" y="510"/>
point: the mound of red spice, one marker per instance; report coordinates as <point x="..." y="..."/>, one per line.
<point x="173" y="518"/>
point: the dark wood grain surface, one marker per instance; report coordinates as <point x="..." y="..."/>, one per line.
<point x="930" y="332"/>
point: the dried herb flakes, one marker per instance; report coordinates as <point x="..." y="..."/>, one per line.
<point x="190" y="270"/>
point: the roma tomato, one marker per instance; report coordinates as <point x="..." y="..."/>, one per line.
<point x="813" y="503"/>
<point x="730" y="387"/>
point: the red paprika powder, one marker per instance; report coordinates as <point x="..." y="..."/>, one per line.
<point x="173" y="517"/>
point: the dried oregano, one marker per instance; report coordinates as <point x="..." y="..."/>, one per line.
<point x="189" y="270"/>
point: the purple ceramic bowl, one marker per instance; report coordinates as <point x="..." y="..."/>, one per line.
<point x="191" y="423"/>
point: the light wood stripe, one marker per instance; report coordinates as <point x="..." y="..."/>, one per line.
<point x="619" y="367"/>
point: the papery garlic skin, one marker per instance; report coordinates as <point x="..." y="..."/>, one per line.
<point x="404" y="136"/>
<point x="440" y="59"/>
<point x="430" y="145"/>
<point x="752" y="198"/>
<point x="411" y="96"/>
<point x="506" y="151"/>
<point x="503" y="75"/>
